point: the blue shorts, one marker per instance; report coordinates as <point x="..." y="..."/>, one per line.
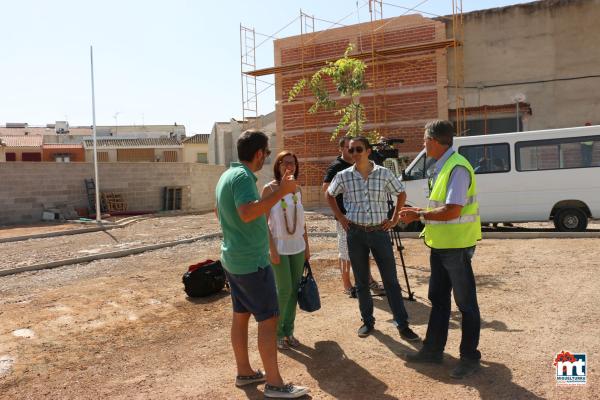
<point x="254" y="293"/>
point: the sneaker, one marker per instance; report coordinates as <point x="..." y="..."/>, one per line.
<point x="365" y="330"/>
<point x="282" y="344"/>
<point x="288" y="391"/>
<point x="465" y="368"/>
<point x="243" y="380"/>
<point x="377" y="289"/>
<point x="292" y="341"/>
<point x="423" y="356"/>
<point x="408" y="334"/>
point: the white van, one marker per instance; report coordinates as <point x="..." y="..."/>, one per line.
<point x="526" y="176"/>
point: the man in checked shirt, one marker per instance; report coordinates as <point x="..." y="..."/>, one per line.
<point x="366" y="186"/>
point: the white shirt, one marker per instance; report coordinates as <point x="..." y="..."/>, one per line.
<point x="288" y="244"/>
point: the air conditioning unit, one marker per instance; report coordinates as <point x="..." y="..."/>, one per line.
<point x="61" y="127"/>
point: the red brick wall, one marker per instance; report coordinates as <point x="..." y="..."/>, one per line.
<point x="77" y="155"/>
<point x="402" y="93"/>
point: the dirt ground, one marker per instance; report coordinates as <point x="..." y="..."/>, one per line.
<point x="123" y="328"/>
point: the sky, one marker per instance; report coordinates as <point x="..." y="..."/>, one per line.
<point x="155" y="62"/>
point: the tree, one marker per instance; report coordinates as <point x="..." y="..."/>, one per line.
<point x="348" y="76"/>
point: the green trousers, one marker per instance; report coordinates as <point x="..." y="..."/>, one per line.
<point x="287" y="277"/>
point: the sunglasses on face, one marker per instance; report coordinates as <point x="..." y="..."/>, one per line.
<point x="267" y="152"/>
<point x="357" y="149"/>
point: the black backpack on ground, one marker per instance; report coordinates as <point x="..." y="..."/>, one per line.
<point x="204" y="279"/>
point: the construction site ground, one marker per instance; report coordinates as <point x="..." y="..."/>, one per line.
<point x="123" y="328"/>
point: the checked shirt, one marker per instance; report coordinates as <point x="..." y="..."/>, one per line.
<point x="366" y="201"/>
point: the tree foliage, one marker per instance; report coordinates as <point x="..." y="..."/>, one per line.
<point x="348" y="77"/>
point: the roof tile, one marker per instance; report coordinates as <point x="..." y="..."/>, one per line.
<point x="142" y="142"/>
<point x="197" y="138"/>
<point x="23" y="141"/>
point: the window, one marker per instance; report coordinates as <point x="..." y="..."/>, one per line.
<point x="102" y="156"/>
<point x="58" y="157"/>
<point x="487" y="158"/>
<point x="170" y="156"/>
<point x="202" y="158"/>
<point x="422" y="169"/>
<point x="492" y="125"/>
<point x="11" y="156"/>
<point x="579" y="152"/>
<point x="31" y="157"/>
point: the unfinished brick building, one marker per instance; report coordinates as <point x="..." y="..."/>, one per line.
<point x="407" y="86"/>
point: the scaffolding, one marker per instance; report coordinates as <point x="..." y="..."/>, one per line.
<point x="248" y="62"/>
<point x="376" y="57"/>
<point x="458" y="34"/>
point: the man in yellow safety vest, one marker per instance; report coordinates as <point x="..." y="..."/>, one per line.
<point x="452" y="228"/>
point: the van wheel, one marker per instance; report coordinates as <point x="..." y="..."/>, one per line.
<point x="570" y="220"/>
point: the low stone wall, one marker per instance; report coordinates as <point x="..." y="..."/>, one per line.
<point x="26" y="188"/>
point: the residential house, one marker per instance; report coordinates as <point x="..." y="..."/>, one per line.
<point x="135" y="150"/>
<point x="23" y="148"/>
<point x="195" y="148"/>
<point x="222" y="148"/>
<point x="62" y="132"/>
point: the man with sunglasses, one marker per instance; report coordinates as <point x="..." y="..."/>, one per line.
<point x="245" y="258"/>
<point x="366" y="186"/>
<point x="343" y="161"/>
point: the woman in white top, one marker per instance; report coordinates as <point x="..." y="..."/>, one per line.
<point x="289" y="247"/>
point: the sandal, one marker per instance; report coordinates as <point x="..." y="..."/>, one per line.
<point x="282" y="344"/>
<point x="292" y="341"/>
<point x="351" y="292"/>
<point x="243" y="380"/>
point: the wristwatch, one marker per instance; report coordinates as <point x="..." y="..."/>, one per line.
<point x="422" y="217"/>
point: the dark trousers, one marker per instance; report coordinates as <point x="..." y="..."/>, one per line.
<point x="380" y="245"/>
<point x="451" y="271"/>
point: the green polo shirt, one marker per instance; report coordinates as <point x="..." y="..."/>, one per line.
<point x="245" y="246"/>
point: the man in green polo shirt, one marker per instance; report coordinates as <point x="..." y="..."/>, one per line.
<point x="245" y="257"/>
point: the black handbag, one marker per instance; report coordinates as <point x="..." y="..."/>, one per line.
<point x="308" y="292"/>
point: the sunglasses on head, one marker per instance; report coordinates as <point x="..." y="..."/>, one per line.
<point x="357" y="149"/>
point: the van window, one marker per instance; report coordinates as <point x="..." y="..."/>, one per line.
<point x="422" y="169"/>
<point x="487" y="158"/>
<point x="579" y="152"/>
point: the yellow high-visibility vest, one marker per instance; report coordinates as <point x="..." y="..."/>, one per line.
<point x="461" y="232"/>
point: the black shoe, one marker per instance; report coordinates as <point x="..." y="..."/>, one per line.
<point x="408" y="334"/>
<point x="425" y="357"/>
<point x="365" y="330"/>
<point x="465" y="368"/>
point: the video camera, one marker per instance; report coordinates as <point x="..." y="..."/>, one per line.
<point x="384" y="150"/>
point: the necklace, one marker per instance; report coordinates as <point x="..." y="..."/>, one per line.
<point x="284" y="211"/>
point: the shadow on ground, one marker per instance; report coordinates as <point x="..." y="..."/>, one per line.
<point x="487" y="381"/>
<point x="347" y="380"/>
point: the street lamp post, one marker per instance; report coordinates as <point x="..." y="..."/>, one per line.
<point x="116" y="117"/>
<point x="518" y="98"/>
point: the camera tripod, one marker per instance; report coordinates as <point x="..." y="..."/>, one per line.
<point x="397" y="241"/>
